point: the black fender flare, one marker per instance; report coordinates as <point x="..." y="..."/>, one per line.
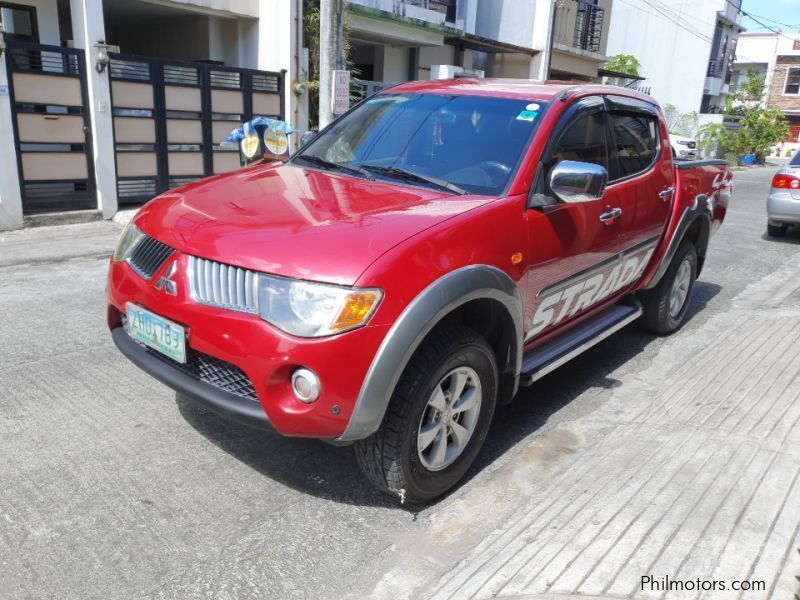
<point x="702" y="209"/>
<point x="434" y="303"/>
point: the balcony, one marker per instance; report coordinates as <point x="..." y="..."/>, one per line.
<point x="715" y="68"/>
<point x="429" y="12"/>
<point x="579" y="25"/>
<point x="588" y="26"/>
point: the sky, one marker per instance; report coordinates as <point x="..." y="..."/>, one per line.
<point x="777" y="14"/>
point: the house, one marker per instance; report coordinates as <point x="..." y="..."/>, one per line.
<point x="685" y="48"/>
<point x="92" y="127"/>
<point x="401" y="40"/>
<point x="776" y="57"/>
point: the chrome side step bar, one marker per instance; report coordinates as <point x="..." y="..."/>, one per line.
<point x="570" y="344"/>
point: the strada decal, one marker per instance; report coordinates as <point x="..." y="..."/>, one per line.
<point x="566" y="299"/>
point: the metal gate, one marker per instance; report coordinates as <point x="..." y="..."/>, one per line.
<point x="171" y="116"/>
<point x="50" y="119"/>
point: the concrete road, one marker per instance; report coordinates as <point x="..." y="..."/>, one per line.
<point x="110" y="489"/>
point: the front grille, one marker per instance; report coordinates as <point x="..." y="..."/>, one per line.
<point x="691" y="144"/>
<point x="148" y="256"/>
<point x="208" y="369"/>
<point x="222" y="285"/>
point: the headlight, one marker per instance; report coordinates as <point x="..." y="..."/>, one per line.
<point x="682" y="142"/>
<point x="309" y="309"/>
<point x="128" y="241"/>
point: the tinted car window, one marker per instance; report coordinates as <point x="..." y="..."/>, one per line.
<point x="795" y="162"/>
<point x="584" y="140"/>
<point x="472" y="142"/>
<point x="636" y="147"/>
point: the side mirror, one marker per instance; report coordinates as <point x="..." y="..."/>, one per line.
<point x="307" y="137"/>
<point x="573" y="181"/>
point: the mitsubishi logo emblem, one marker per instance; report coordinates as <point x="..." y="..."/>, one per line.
<point x="167" y="283"/>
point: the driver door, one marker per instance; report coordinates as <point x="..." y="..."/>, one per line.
<point x="574" y="247"/>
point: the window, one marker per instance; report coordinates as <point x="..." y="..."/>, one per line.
<point x="19" y="22"/>
<point x="583" y="141"/>
<point x="472" y="142"/>
<point x="792" y="81"/>
<point x="636" y="144"/>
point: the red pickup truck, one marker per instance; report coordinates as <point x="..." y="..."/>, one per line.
<point x="414" y="264"/>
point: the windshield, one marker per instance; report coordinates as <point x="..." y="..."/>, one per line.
<point x="458" y="143"/>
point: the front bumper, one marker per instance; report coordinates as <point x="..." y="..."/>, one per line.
<point x="266" y="355"/>
<point x="232" y="406"/>
<point x="686" y="153"/>
<point x="782" y="208"/>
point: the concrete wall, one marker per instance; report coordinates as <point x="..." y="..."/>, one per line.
<point x="511" y="21"/>
<point x="674" y="61"/>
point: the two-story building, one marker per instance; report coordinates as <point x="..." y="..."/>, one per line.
<point x="105" y="103"/>
<point x="400" y="40"/>
<point x="685" y="48"/>
<point x="776" y="57"/>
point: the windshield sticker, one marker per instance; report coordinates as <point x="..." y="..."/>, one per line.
<point x="532" y="106"/>
<point x="527" y="115"/>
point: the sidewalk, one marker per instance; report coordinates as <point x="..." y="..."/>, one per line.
<point x="690" y="471"/>
<point x="57" y="243"/>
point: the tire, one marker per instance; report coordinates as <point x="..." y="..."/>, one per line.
<point x="660" y="313"/>
<point x="778" y="230"/>
<point x="391" y="459"/>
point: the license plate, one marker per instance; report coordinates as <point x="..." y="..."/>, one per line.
<point x="157" y="332"/>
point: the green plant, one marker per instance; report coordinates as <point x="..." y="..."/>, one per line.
<point x="624" y="63"/>
<point x="758" y="130"/>
<point x="788" y="153"/>
<point x="311" y="26"/>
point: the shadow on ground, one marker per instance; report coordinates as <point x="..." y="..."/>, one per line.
<point x="792" y="236"/>
<point x="331" y="472"/>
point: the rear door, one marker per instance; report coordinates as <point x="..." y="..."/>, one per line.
<point x="641" y="177"/>
<point x="571" y="247"/>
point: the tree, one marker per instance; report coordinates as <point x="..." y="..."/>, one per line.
<point x="759" y="128"/>
<point x="624" y="63"/>
<point x="680" y="123"/>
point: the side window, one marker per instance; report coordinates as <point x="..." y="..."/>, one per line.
<point x="636" y="144"/>
<point x="584" y="141"/>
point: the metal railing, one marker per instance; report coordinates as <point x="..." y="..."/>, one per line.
<point x="714" y="68"/>
<point x="588" y="26"/>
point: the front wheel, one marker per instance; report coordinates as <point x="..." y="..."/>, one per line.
<point x="666" y="305"/>
<point x="437" y="419"/>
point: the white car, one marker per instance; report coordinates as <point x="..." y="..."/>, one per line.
<point x="683" y="148"/>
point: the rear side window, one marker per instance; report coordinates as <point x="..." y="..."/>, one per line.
<point x="636" y="144"/>
<point x="795" y="162"/>
<point x="584" y="141"/>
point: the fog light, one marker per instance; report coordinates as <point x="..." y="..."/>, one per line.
<point x="306" y="385"/>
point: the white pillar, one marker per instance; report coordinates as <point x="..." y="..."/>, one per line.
<point x="542" y="38"/>
<point x="10" y="196"/>
<point x="87" y="28"/>
<point x="280" y="42"/>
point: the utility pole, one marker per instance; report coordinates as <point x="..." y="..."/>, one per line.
<point x="331" y="54"/>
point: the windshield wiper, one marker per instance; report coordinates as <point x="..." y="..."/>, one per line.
<point x="329" y="164"/>
<point x="399" y="173"/>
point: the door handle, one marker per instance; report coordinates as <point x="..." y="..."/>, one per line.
<point x="666" y="193"/>
<point x="610" y="216"/>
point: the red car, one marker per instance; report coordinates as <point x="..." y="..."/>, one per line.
<point x="414" y="264"/>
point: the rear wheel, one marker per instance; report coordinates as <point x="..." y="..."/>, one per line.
<point x="437" y="419"/>
<point x="776" y="229"/>
<point x="666" y="305"/>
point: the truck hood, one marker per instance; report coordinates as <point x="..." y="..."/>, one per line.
<point x="296" y="222"/>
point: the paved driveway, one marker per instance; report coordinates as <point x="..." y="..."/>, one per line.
<point x="110" y="489"/>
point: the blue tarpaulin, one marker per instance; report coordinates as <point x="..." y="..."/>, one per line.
<point x="240" y="132"/>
